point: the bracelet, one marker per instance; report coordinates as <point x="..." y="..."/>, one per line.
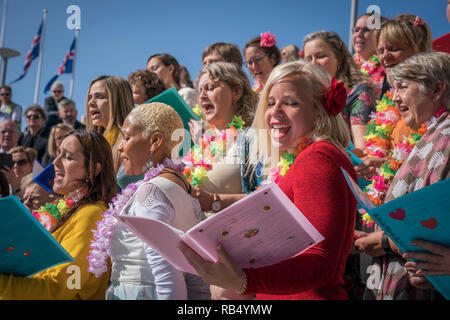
<point x="385" y="243"/>
<point x="244" y="284"/>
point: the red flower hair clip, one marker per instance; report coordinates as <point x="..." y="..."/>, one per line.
<point x="301" y="54"/>
<point x="335" y="98"/>
<point x="418" y="21"/>
<point x="267" y="40"/>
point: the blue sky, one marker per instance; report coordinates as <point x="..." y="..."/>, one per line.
<point x="118" y="36"/>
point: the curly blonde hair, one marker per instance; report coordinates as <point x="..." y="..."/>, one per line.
<point x="233" y="76"/>
<point x="159" y="117"/>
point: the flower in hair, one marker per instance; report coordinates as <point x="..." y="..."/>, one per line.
<point x="335" y="98"/>
<point x="418" y="21"/>
<point x="267" y="40"/>
<point x="301" y="54"/>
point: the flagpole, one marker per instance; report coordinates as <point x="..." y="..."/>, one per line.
<point x="77" y="31"/>
<point x="41" y="50"/>
<point x="353" y="13"/>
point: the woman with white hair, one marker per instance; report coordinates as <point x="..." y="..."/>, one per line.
<point x="138" y="271"/>
<point x="299" y="114"/>
<point x="422" y="96"/>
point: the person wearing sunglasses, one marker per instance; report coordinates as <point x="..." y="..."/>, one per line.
<point x="9" y="110"/>
<point x="51" y="105"/>
<point x="22" y="165"/>
<point x="35" y="135"/>
<point x="261" y="57"/>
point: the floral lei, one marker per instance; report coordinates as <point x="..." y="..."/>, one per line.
<point x="210" y="149"/>
<point x="99" y="252"/>
<point x="277" y="173"/>
<point x="49" y="214"/>
<point x="368" y="67"/>
<point x="376" y="190"/>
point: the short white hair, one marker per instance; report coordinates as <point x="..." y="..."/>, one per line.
<point x="57" y="84"/>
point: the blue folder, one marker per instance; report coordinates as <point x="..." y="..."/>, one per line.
<point x="26" y="247"/>
<point x="419" y="215"/>
<point x="45" y="178"/>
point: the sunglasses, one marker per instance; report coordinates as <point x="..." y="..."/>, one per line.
<point x="20" y="162"/>
<point x="33" y="116"/>
<point x="57" y="91"/>
<point x="5" y="94"/>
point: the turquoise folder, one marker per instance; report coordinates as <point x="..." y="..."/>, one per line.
<point x="172" y="98"/>
<point x="26" y="247"/>
<point x="419" y="215"/>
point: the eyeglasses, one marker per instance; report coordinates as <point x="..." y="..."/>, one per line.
<point x="33" y="116"/>
<point x="363" y="29"/>
<point x="253" y="60"/>
<point x="20" y="162"/>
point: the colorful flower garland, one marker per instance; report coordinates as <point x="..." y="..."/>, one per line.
<point x="49" y="214"/>
<point x="277" y="174"/>
<point x="210" y="148"/>
<point x="99" y="252"/>
<point x="368" y="67"/>
<point x="376" y="190"/>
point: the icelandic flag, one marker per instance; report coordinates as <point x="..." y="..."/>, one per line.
<point x="66" y="66"/>
<point x="32" y="54"/>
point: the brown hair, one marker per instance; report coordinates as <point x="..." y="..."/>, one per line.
<point x="272" y="52"/>
<point x="347" y="71"/>
<point x="38" y="109"/>
<point x="149" y="80"/>
<point x="228" y="51"/>
<point x="120" y="97"/>
<point x="168" y="60"/>
<point x="100" y="187"/>
<point x="233" y="76"/>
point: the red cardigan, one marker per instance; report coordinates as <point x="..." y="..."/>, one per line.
<point x="318" y="188"/>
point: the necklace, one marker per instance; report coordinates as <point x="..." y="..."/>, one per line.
<point x="49" y="214"/>
<point x="379" y="129"/>
<point x="100" y="245"/>
<point x="211" y="149"/>
<point x="286" y="160"/>
<point x="368" y="67"/>
<point x="377" y="189"/>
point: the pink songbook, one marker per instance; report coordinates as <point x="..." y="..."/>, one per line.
<point x="261" y="229"/>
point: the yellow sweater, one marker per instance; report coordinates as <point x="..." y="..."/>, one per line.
<point x="69" y="280"/>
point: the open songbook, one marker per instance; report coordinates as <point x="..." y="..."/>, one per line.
<point x="420" y="215"/>
<point x="261" y="229"/>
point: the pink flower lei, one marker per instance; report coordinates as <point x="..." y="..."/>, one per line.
<point x="99" y="252"/>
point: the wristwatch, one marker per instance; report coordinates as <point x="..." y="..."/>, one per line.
<point x="385" y="243"/>
<point x="216" y="205"/>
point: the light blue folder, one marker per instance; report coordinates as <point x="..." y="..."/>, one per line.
<point x="26" y="247"/>
<point x="420" y="215"/>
